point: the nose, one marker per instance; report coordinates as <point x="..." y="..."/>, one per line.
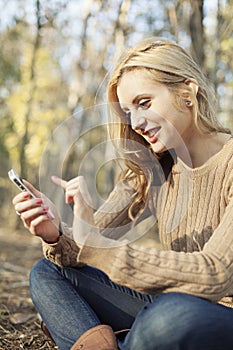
<point x="138" y="122"/>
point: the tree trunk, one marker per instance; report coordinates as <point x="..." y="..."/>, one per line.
<point x="197" y="31"/>
<point x="32" y="87"/>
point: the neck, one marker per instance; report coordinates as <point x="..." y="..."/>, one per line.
<point x="201" y="147"/>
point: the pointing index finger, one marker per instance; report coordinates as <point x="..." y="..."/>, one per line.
<point x="60" y="182"/>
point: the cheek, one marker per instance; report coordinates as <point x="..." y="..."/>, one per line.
<point x="172" y="132"/>
<point x="178" y="120"/>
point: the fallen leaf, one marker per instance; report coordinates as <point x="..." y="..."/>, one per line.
<point x="19" y="318"/>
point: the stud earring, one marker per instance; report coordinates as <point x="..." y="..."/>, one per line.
<point x="188" y="103"/>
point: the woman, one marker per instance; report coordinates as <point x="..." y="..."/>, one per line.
<point x="179" y="163"/>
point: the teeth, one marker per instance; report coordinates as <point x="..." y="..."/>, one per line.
<point x="152" y="132"/>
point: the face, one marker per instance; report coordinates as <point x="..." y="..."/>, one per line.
<point x="151" y="112"/>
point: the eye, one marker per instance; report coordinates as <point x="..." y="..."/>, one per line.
<point x="144" y="104"/>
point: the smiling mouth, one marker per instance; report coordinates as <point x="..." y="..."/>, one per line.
<point x="152" y="134"/>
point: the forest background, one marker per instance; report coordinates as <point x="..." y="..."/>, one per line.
<point x="55" y="60"/>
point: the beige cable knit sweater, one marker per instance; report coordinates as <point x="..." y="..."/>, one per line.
<point x="194" y="214"/>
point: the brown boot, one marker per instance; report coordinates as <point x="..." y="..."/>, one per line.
<point x="100" y="337"/>
<point x="46" y="331"/>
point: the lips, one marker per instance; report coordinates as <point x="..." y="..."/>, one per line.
<point x="152" y="134"/>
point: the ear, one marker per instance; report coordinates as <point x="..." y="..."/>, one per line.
<point x="193" y="84"/>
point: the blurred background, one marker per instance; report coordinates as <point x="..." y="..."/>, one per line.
<point x="55" y="60"/>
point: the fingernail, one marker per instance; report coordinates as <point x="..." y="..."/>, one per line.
<point x="48" y="216"/>
<point x="45" y="207"/>
<point x="39" y="201"/>
<point x="26" y="195"/>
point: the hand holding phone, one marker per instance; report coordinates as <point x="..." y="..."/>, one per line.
<point x="16" y="179"/>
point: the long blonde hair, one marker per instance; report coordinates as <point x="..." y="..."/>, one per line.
<point x="169" y="64"/>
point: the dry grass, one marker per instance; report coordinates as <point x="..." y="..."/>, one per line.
<point x="19" y="321"/>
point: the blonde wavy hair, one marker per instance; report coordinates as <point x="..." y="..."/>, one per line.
<point x="169" y="64"/>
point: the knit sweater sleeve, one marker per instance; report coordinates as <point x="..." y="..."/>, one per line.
<point x="207" y="274"/>
<point x="111" y="219"/>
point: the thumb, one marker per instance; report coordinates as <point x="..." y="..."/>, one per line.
<point x="32" y="188"/>
<point x="59" y="182"/>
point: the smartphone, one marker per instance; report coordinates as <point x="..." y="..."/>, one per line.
<point x="16" y="179"/>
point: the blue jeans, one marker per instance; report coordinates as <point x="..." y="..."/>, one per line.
<point x="73" y="300"/>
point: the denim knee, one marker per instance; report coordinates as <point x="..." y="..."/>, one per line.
<point x="159" y="325"/>
<point x="181" y="321"/>
<point x="173" y="318"/>
<point x="40" y="274"/>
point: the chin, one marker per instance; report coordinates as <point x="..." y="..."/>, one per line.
<point x="158" y="147"/>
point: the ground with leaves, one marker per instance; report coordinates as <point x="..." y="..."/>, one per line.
<point x="19" y="321"/>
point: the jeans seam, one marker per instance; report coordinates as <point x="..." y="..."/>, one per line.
<point x="113" y="286"/>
